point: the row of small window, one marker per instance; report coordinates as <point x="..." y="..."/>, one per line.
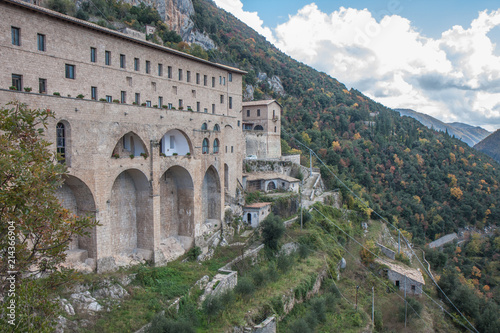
<point x="70" y="69"/>
<point x="16" y="38"/>
<point x="205" y="147"/>
<point x="17" y="83"/>
<point x="137" y="68"/>
<point x="258" y="113"/>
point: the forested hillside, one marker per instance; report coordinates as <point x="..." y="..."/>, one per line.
<point x="423" y="180"/>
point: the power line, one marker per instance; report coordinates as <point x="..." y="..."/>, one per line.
<point x="385" y="220"/>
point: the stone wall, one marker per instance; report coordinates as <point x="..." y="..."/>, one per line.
<point x="388" y="252"/>
<point x="405" y="282"/>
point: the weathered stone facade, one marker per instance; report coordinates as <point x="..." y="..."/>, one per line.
<point x="153" y="176"/>
<point x="262" y="128"/>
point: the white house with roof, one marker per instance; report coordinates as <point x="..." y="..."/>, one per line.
<point x="269" y="181"/>
<point x="255" y="213"/>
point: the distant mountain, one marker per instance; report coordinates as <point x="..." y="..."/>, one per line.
<point x="467" y="133"/>
<point x="491" y="146"/>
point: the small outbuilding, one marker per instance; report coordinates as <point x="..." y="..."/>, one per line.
<point x="404" y="277"/>
<point x="255" y="213"/>
<point x="269" y="181"/>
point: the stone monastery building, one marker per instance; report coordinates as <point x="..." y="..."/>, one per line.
<point x="154" y="146"/>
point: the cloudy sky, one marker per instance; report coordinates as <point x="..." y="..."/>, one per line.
<point x="437" y="57"/>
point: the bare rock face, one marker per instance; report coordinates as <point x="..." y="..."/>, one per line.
<point x="178" y="16"/>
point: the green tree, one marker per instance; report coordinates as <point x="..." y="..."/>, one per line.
<point x="35" y="230"/>
<point x="272" y="231"/>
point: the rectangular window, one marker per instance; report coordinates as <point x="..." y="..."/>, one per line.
<point x="16" y="36"/>
<point x="136" y="64"/>
<point x="170" y="106"/>
<point x="180" y="74"/>
<point x="93" y="53"/>
<point x="148" y="104"/>
<point x="180" y="104"/>
<point x="188" y="76"/>
<point x="107" y="58"/>
<point x="160" y="102"/>
<point x="213" y="108"/>
<point x="70" y="71"/>
<point x="109" y="99"/>
<point x="172" y="141"/>
<point x="148" y="66"/>
<point x="248" y="113"/>
<point x="258" y="112"/>
<point x="230" y="77"/>
<point x="197" y="106"/>
<point x="205" y="110"/>
<point x="169" y="72"/>
<point x="137" y="98"/>
<point x="122" y="61"/>
<point x="230" y="102"/>
<point x="224" y="80"/>
<point x="123" y="97"/>
<point x="238" y="123"/>
<point x="160" y="70"/>
<point x="205" y="80"/>
<point x="221" y="99"/>
<point x="42" y="86"/>
<point x="220" y="80"/>
<point x="17" y="81"/>
<point x="93" y="93"/>
<point x="197" y="78"/>
<point x="41" y="42"/>
<point x="232" y="149"/>
<point x="213" y="82"/>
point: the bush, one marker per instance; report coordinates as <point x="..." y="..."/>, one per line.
<point x="318" y="308"/>
<point x="245" y="286"/>
<point x="259" y="278"/>
<point x="284" y="262"/>
<point x="160" y="324"/>
<point x="300" y="326"/>
<point x="212" y="306"/>
<point x="272" y="231"/>
<point x="414" y="309"/>
<point x="193" y="253"/>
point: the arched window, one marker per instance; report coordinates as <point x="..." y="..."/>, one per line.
<point x="204" y="127"/>
<point x="216" y="146"/>
<point x="258" y="128"/>
<point x="61" y="142"/>
<point x="204" y="149"/>
<point x="216" y="128"/>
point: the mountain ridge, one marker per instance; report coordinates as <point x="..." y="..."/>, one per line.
<point x="465" y="132"/>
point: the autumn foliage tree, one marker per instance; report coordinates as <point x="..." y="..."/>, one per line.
<point x="35" y="230"/>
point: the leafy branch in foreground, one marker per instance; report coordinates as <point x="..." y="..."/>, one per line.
<point x="35" y="231"/>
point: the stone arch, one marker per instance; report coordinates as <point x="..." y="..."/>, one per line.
<point x="258" y="128"/>
<point x="76" y="196"/>
<point x="211" y="195"/>
<point x="271" y="186"/>
<point x="129" y="144"/>
<point x="175" y="142"/>
<point x="131" y="215"/>
<point x="63" y="141"/>
<point x="177" y="207"/>
<point x="204" y="127"/>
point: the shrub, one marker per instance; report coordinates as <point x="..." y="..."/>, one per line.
<point x="193" y="253"/>
<point x="272" y="231"/>
<point x="116" y="101"/>
<point x="300" y="326"/>
<point x="212" y="306"/>
<point x="284" y="262"/>
<point x="27" y="89"/>
<point x="56" y="94"/>
<point x="12" y="88"/>
<point x="259" y="278"/>
<point x="131" y="156"/>
<point x="160" y="324"/>
<point x="245" y="286"/>
<point x="80" y="96"/>
<point x="414" y="309"/>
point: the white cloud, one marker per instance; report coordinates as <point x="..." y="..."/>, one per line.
<point x="251" y="19"/>
<point x="454" y="78"/>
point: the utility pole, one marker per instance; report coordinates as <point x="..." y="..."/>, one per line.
<point x="356" y="307"/>
<point x="310" y="163"/>
<point x="399" y="241"/>
<point x="405" y="302"/>
<point x="301" y="214"/>
<point x="373" y="307"/>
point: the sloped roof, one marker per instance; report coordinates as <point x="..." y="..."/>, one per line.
<point x="262" y="102"/>
<point x="257" y="205"/>
<point x="269" y="176"/>
<point x="409" y="272"/>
